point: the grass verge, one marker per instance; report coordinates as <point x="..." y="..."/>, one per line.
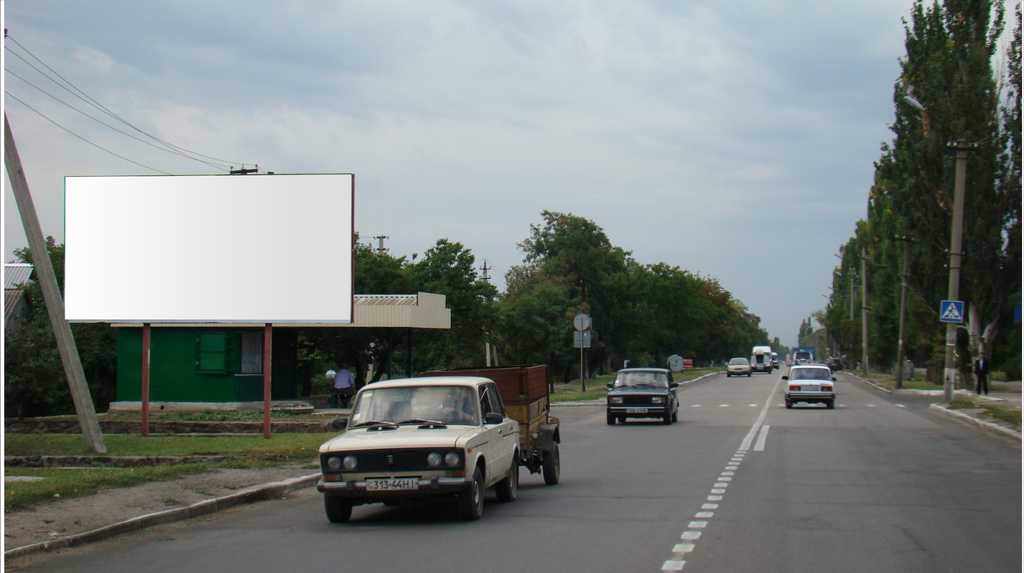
<point x="282" y="446"/>
<point x="64" y="483"/>
<point x="1006" y="414"/>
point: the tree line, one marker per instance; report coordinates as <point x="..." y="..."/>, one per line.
<point x="949" y="90"/>
<point x="641" y="312"/>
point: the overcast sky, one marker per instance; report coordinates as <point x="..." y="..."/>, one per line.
<point x="731" y="139"/>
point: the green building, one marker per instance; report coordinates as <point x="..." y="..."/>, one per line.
<point x="206" y="365"/>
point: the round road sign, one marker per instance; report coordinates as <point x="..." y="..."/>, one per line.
<point x="581" y="322"/>
<point x="675" y="362"/>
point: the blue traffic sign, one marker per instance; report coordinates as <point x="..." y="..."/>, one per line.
<point x="951" y="311"/>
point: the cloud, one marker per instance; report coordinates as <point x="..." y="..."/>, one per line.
<point x="734" y="140"/>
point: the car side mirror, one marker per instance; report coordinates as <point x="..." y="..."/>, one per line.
<point x="784" y="377"/>
<point x="673" y="384"/>
<point x="491" y="418"/>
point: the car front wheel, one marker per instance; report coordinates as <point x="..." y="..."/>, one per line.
<point x="611" y="420"/>
<point x="471" y="501"/>
<point x="338" y="509"/>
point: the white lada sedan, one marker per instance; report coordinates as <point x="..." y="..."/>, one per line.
<point x="422" y="437"/>
<point x="810" y="383"/>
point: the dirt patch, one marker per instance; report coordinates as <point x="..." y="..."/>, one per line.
<point x="68" y="516"/>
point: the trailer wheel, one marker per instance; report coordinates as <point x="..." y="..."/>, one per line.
<point x="552" y="466"/>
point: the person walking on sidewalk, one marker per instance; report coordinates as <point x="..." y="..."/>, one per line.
<point x="981" y="371"/>
<point x="343" y="382"/>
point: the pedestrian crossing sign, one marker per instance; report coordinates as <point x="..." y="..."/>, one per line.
<point x="951" y="311"/>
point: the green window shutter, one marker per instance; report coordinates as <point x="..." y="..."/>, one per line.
<point x="211" y="352"/>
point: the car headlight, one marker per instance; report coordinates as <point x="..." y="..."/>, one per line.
<point x="349" y="463"/>
<point x="334" y="463"/>
<point x="433" y="459"/>
<point x="657" y="400"/>
<point x="615" y="400"/>
<point x="452" y="459"/>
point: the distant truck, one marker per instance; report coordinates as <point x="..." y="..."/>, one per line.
<point x="803" y="355"/>
<point x="761" y="359"/>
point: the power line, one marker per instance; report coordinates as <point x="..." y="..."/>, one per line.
<point x="118" y="130"/>
<point x="72" y="133"/>
<point x="81" y="94"/>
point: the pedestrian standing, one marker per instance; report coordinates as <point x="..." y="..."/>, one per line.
<point x="343" y="384"/>
<point x="981" y="371"/>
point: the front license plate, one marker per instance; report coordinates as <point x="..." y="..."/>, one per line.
<point x="636" y="410"/>
<point x="392" y="484"/>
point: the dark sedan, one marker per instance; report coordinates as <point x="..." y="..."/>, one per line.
<point x="643" y="393"/>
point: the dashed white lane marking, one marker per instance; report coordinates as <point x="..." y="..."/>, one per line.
<point x="704" y="514"/>
<point x="698" y="524"/>
<point x="723" y="405"/>
<point x="871" y="405"/>
<point x="900" y="406"/>
<point x="673" y="565"/>
<point x="752" y="405"/>
<point x="718" y="491"/>
<point x="714" y="498"/>
<point x="728" y="473"/>
<point x="724" y="478"/>
<point x="682" y="548"/>
<point x="690" y="536"/>
<point x="709" y="506"/>
<point x="779" y="405"/>
<point x="759" y="446"/>
<point x="695" y="405"/>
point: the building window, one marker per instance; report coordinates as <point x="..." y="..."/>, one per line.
<point x="252" y="353"/>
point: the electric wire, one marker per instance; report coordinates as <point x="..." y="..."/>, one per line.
<point x="72" y="133"/>
<point x="118" y="130"/>
<point x="81" y="94"/>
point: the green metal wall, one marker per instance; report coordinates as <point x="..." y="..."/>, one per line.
<point x="175" y="374"/>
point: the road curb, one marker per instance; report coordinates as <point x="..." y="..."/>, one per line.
<point x="601" y="402"/>
<point x="870" y="383"/>
<point x="983" y="424"/>
<point x="249" y="495"/>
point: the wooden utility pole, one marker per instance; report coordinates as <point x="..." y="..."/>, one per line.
<point x="51" y="295"/>
<point x="903" y="310"/>
<point x="864" y="309"/>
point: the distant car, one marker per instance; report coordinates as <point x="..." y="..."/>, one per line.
<point x="834" y="363"/>
<point x="802" y="357"/>
<point x="643" y="393"/>
<point x="811" y="384"/>
<point x="738" y="367"/>
<point x="775" y="360"/>
<point x="761" y="359"/>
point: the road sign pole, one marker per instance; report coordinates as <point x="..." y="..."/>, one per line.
<point x="267" y="365"/>
<point x="47" y="280"/>
<point x="146" y="342"/>
<point x="955" y="243"/>
<point x="583" y="379"/>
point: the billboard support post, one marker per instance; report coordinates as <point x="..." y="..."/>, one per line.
<point x="47" y="280"/>
<point x="267" y="353"/>
<point x="145" y="378"/>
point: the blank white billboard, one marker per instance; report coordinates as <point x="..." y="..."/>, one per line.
<point x="236" y="249"/>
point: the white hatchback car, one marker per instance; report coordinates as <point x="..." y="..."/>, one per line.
<point x="811" y="383"/>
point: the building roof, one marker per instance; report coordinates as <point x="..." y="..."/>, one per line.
<point x="421" y="310"/>
<point x="16" y="274"/>
<point x="11" y="298"/>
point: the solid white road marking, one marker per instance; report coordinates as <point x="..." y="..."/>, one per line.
<point x="745" y="445"/>
<point x="704" y="514"/>
<point x="673" y="565"/>
<point x="709" y="506"/>
<point x="682" y="548"/>
<point x="759" y="446"/>
<point x="698" y="524"/>
<point x="714" y="498"/>
<point x="690" y="535"/>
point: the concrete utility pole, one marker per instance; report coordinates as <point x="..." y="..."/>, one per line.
<point x="955" y="245"/>
<point x="852" y="280"/>
<point x="51" y="295"/>
<point x="903" y="310"/>
<point x="864" y="309"/>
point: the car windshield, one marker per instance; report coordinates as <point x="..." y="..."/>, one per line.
<point x="451" y="405"/>
<point x="738" y="362"/>
<point x="810" y="374"/>
<point x="654" y="379"/>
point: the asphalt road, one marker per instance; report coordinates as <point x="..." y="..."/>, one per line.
<point x="876" y="485"/>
